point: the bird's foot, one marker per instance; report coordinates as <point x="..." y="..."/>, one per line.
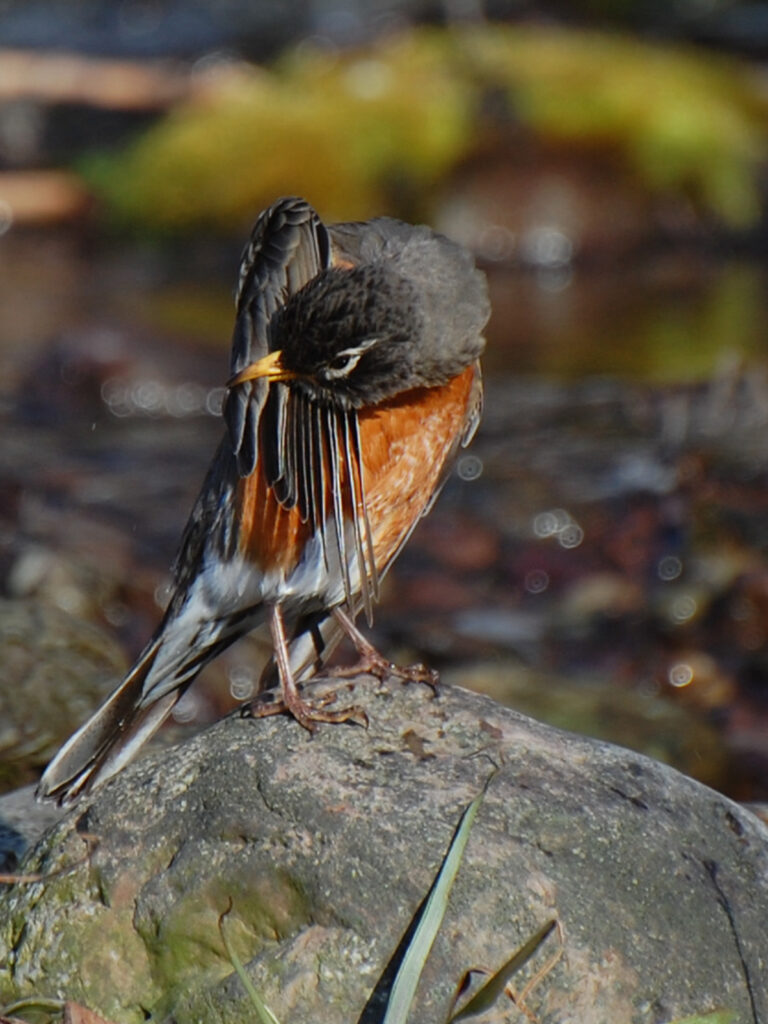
<point x="306" y="712"/>
<point x="375" y="664"/>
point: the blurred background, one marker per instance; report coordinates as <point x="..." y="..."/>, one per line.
<point x="599" y="558"/>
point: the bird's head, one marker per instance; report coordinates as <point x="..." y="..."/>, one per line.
<point x="352" y="338"/>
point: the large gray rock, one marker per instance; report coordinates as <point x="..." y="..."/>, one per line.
<point x="324" y="847"/>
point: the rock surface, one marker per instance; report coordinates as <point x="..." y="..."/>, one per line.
<point x="323" y="848"/>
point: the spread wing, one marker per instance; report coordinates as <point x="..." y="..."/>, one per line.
<point x="309" y="454"/>
<point x="288" y="247"/>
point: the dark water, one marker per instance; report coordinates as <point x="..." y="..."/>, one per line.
<point x="598" y="557"/>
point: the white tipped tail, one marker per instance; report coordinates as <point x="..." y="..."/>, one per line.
<point x="109" y="738"/>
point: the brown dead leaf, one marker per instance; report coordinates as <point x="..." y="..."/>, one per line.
<point x="415" y="744"/>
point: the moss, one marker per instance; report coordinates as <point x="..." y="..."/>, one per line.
<point x="103" y="958"/>
<point x="98" y="962"/>
<point x="119" y="951"/>
<point x="96" y="958"/>
<point x="187" y="955"/>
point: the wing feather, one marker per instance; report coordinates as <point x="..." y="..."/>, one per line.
<point x="288" y="247"/>
<point x="310" y="453"/>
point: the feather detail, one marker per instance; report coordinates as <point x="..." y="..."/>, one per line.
<point x="337" y="495"/>
<point x="289" y="246"/>
<point x="360" y="525"/>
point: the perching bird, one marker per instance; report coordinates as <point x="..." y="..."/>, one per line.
<point x="355" y="378"/>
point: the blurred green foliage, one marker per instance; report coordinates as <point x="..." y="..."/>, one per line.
<point x="381" y="128"/>
<point x="337" y="130"/>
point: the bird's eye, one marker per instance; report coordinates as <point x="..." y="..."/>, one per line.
<point x="344" y="362"/>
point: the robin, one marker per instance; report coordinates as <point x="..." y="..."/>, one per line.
<point x="354" y="380"/>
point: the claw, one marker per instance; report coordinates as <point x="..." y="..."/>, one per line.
<point x="307" y="713"/>
<point x="375" y="665"/>
<point x="418" y="673"/>
<point x="289" y="700"/>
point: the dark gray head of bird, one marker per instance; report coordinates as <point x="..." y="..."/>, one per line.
<point x="355" y="337"/>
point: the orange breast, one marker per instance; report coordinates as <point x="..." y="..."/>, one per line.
<point x="270" y="535"/>
<point x="404" y="444"/>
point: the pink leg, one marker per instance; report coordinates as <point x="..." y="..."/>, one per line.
<point x="376" y="664"/>
<point x="305" y="712"/>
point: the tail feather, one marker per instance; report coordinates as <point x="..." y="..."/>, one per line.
<point x="109" y="738"/>
<point x="185" y="642"/>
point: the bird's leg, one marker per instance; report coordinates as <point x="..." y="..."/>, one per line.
<point x="375" y="663"/>
<point x="305" y="712"/>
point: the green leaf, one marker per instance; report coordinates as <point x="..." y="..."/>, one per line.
<point x="485" y="997"/>
<point x="408" y="975"/>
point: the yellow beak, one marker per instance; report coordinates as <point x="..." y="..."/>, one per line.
<point x="270" y="366"/>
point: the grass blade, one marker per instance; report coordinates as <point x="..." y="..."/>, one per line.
<point x="265" y="1014"/>
<point x="408" y="975"/>
<point x="485" y="997"/>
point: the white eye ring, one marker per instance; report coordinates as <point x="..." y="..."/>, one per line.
<point x="344" y="362"/>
